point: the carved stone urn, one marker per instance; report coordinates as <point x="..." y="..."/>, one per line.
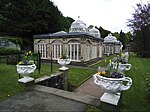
<point x="25" y="71"/>
<point x="121" y="67"/>
<point x="124" y="67"/>
<point x="112" y="87"/>
<point x="63" y="63"/>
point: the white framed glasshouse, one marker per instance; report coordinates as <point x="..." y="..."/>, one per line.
<point x="79" y="44"/>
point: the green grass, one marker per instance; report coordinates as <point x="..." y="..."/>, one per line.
<point x="9" y="85"/>
<point x="90" y="108"/>
<point x="135" y="99"/>
<point x="104" y="62"/>
<point x="45" y="70"/>
<point x="78" y="75"/>
<point x="8" y="81"/>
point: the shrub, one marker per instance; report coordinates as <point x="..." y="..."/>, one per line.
<point x="8" y="51"/>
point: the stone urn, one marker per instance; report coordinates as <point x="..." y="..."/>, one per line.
<point x="121" y="67"/>
<point x="63" y="63"/>
<point x="25" y="71"/>
<point x="112" y="87"/>
<point x="124" y="67"/>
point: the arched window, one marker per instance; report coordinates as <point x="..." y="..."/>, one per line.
<point x="42" y="48"/>
<point x="107" y="49"/>
<point x="57" y="49"/>
<point x="74" y="50"/>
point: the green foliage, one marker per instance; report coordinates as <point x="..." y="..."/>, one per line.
<point x="13" y="39"/>
<point x="78" y="75"/>
<point x="9" y="77"/>
<point x="116" y="34"/>
<point x="123" y="39"/>
<point x="135" y="99"/>
<point x="8" y="51"/>
<point x="103" y="32"/>
<point x="90" y="108"/>
<point x="29" y="56"/>
<point x="141" y="29"/>
<point x="9" y="85"/>
<point x="24" y="18"/>
<point x="103" y="63"/>
<point x="29" y="17"/>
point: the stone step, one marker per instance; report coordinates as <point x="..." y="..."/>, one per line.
<point x="84" y="98"/>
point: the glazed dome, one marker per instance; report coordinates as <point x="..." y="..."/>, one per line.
<point x="95" y="32"/>
<point x="78" y="26"/>
<point x="110" y="39"/>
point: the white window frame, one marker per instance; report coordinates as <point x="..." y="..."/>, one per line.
<point x="57" y="49"/>
<point x="74" y="51"/>
<point x="42" y="48"/>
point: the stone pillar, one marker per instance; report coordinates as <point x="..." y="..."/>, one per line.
<point x="83" y="51"/>
<point x="65" y="77"/>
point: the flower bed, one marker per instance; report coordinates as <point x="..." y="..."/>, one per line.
<point x="28" y="58"/>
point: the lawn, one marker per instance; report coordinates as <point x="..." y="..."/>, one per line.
<point x="104" y="62"/>
<point x="9" y="77"/>
<point x="8" y="81"/>
<point x="135" y="99"/>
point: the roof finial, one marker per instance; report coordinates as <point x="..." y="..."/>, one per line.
<point x="109" y="34"/>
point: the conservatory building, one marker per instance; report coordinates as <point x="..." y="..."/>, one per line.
<point x="79" y="44"/>
<point x="111" y="45"/>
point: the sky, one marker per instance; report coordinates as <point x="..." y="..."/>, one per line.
<point x="112" y="15"/>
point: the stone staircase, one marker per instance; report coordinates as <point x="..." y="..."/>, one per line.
<point x="84" y="98"/>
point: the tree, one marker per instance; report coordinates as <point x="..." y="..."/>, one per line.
<point x="103" y="32"/>
<point x="25" y="18"/>
<point x="90" y="27"/>
<point x="116" y="34"/>
<point x="140" y="24"/>
<point x="122" y="38"/>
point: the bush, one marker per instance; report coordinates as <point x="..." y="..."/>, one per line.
<point x="8" y="51"/>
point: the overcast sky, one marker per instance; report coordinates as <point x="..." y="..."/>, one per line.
<point x="110" y="14"/>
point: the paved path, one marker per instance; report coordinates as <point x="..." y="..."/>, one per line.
<point x="90" y="88"/>
<point x="36" y="101"/>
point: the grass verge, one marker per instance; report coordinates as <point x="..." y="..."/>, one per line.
<point x="9" y="85"/>
<point x="135" y="99"/>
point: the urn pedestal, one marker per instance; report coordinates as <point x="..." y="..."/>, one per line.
<point x="25" y="71"/>
<point x="112" y="87"/>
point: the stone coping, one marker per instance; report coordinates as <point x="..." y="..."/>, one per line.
<point x="47" y="77"/>
<point x="84" y="98"/>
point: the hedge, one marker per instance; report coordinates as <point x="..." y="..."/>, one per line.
<point x="8" y="51"/>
